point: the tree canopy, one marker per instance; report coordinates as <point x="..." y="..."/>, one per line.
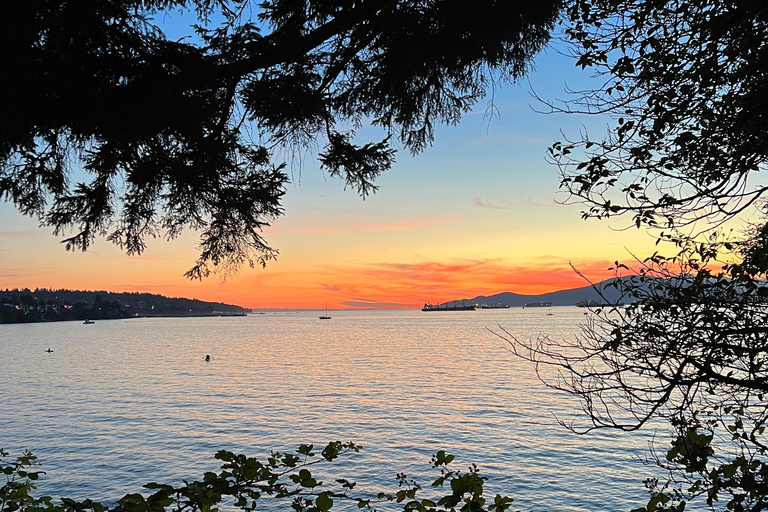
<point x="685" y="83"/>
<point x="189" y="133"/>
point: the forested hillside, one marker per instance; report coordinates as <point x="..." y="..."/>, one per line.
<point x="44" y="305"/>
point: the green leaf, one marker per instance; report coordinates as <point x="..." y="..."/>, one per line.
<point x="442" y="459"/>
<point x="331" y="451"/>
<point x="323" y="502"/>
<point x="306" y="449"/>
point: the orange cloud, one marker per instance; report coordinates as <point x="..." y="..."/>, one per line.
<point x="302" y="282"/>
<point x="20" y="234"/>
<point x="398" y="285"/>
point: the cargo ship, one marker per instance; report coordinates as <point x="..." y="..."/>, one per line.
<point x="445" y="307"/>
<point x="540" y="304"/>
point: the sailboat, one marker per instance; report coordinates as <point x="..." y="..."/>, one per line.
<point x="327" y="316"/>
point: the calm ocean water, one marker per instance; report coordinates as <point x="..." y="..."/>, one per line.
<point x="125" y="402"/>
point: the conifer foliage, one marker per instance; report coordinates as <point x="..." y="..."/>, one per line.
<point x="189" y="133"/>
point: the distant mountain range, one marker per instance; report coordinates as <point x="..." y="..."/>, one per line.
<point x="559" y="298"/>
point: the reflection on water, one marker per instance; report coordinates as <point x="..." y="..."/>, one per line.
<point x="124" y="402"/>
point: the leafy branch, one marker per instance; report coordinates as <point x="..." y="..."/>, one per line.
<point x="243" y="481"/>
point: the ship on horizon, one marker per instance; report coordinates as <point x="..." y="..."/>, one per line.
<point x="494" y="306"/>
<point x="445" y="307"/>
<point x="540" y="304"/>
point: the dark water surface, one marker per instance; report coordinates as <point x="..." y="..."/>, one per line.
<point x="125" y="402"/>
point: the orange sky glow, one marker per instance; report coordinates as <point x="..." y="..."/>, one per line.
<point x="299" y="279"/>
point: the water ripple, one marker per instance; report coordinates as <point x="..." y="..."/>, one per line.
<point x="122" y="403"/>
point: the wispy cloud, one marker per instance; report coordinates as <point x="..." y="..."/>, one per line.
<point x="396" y="285"/>
<point x="525" y="202"/>
<point x="23" y="234"/>
<point x="482" y="203"/>
<point x="329" y="288"/>
<point x="530" y="202"/>
<point x="13" y="273"/>
<point x="374" y="304"/>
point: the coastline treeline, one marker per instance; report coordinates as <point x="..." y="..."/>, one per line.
<point x="49" y="305"/>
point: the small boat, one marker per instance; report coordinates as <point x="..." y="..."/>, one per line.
<point x="88" y="322"/>
<point x="327" y="315"/>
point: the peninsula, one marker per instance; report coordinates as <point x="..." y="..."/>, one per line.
<point x="46" y="305"/>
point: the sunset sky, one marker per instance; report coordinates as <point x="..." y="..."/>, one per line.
<point x="476" y="213"/>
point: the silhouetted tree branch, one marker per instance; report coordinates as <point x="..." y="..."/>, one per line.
<point x="188" y="133"/>
<point x="685" y="84"/>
